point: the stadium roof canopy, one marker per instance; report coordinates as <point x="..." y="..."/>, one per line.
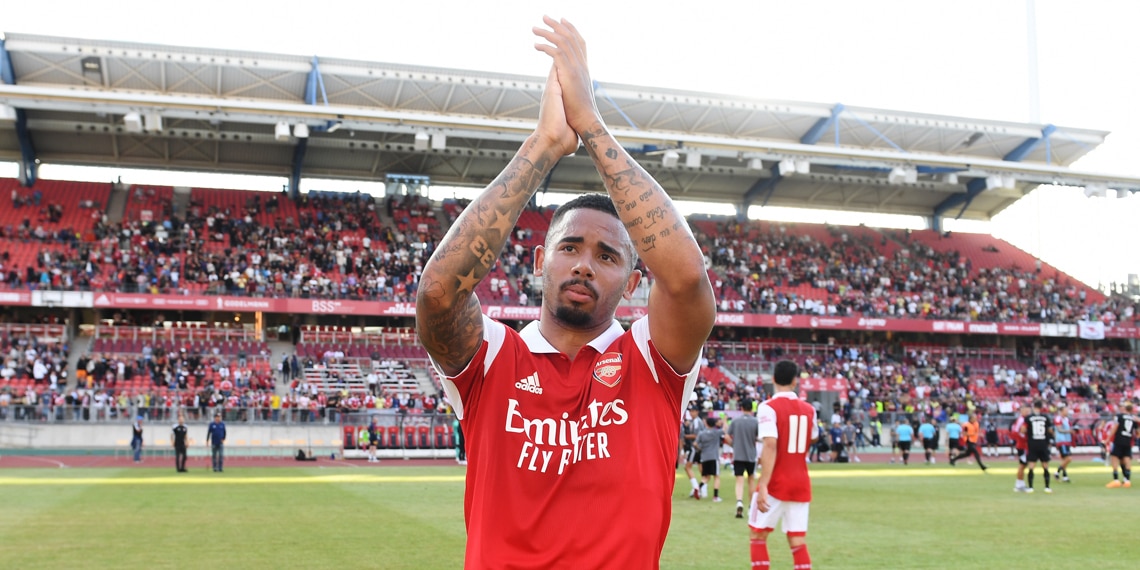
<point x="96" y="102"/>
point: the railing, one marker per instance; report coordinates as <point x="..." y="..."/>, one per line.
<point x="380" y="336"/>
<point x="408" y="434"/>
<point x="791" y="347"/>
<point x="750" y="369"/>
<point x="154" y="334"/>
<point x="41" y="414"/>
<point x="44" y="333"/>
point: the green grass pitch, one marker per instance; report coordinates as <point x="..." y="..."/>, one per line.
<point x="391" y="517"/>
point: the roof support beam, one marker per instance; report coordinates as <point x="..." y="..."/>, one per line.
<point x="29" y="165"/>
<point x="816" y="131"/>
<point x="312" y="84"/>
<point x="298" y="162"/>
<point x="765" y="186"/>
<point x="1031" y="144"/>
<point x="7" y="74"/>
<point x="973" y="188"/>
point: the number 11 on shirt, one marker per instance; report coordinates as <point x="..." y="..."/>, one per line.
<point x="797" y="434"/>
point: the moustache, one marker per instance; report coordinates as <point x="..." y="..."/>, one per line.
<point x="580" y="282"/>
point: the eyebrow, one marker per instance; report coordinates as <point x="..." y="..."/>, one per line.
<point x="601" y="245"/>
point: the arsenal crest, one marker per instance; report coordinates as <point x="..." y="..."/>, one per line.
<point x="608" y="369"/>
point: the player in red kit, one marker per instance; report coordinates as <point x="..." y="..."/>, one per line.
<point x="1021" y="447"/>
<point x="783" y="494"/>
<point x="553" y="414"/>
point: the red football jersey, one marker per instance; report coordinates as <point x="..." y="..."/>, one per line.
<point x="1105" y="432"/>
<point x="1019" y="440"/>
<point x="552" y="445"/>
<point x="792" y="422"/>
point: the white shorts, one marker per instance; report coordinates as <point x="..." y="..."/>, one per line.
<point x="793" y="517"/>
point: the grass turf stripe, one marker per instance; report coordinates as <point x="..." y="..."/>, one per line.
<point x="174" y="479"/>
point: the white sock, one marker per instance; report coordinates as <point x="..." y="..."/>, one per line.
<point x="696" y="486"/>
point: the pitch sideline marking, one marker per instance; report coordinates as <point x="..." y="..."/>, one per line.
<point x="173" y="479"/>
<point x="215" y="480"/>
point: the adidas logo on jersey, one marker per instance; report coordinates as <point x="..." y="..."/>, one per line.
<point x="530" y="384"/>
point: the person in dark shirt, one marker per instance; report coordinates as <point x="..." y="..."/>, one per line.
<point x="1120" y="448"/>
<point x="137" y="439"/>
<point x="708" y="445"/>
<point x="216" y="438"/>
<point x="1038" y="431"/>
<point x="836" y="433"/>
<point x="179" y="441"/>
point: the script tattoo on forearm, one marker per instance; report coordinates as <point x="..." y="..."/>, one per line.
<point x="449" y="319"/>
<point x="637" y="195"/>
<point x="649" y="242"/>
<point x="654" y="215"/>
<point x="493" y="220"/>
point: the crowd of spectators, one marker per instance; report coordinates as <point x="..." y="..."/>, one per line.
<point x="107" y="385"/>
<point x="174" y="370"/>
<point x="40" y="219"/>
<point x="329" y="384"/>
<point x="26" y="358"/>
<point x="154" y="404"/>
<point x="334" y="245"/>
<point x="773" y="268"/>
<point x="911" y="381"/>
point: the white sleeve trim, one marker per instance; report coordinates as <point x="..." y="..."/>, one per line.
<point x="494" y="333"/>
<point x="766" y="422"/>
<point x="640" y="331"/>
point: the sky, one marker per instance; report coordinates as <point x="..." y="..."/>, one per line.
<point x="966" y="58"/>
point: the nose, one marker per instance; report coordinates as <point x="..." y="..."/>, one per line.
<point x="583" y="267"/>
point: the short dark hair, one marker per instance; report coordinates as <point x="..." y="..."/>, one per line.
<point x="710" y="421"/>
<point x="592" y="201"/>
<point x="746" y="404"/>
<point x="1038" y="404"/>
<point x="785" y="372"/>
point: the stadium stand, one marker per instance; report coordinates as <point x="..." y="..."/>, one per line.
<point x="334" y="245"/>
<point x="814" y="269"/>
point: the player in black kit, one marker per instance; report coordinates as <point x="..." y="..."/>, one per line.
<point x="1038" y="431"/>
<point x="1120" y="452"/>
<point x="179" y="441"/>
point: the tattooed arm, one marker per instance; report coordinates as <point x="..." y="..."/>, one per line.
<point x="448" y="318"/>
<point x="681" y="305"/>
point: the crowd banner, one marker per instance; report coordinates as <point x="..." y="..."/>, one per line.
<point x="1092" y="330"/>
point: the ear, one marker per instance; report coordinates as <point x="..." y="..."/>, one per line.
<point x="631" y="284"/>
<point x="539" y="257"/>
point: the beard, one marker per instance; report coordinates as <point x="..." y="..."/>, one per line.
<point x="572" y="315"/>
